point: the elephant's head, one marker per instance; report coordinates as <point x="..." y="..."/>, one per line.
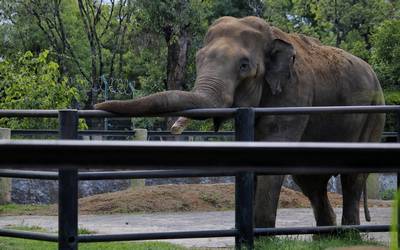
<point x="241" y="60"/>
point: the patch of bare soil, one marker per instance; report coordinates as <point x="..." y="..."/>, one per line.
<point x="164" y="198"/>
<point x="181" y="198"/>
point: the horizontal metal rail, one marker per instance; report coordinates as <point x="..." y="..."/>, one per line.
<point x="28" y="235"/>
<point x="219" y="112"/>
<point x="120" y="175"/>
<point x="232" y="233"/>
<point x="245" y="156"/>
<point x="119" y="132"/>
<point x="327" y="110"/>
<point x="28" y="174"/>
<point x="21" y="113"/>
<point x="110" y="175"/>
<point x="132" y="132"/>
<point x="158" y="236"/>
<point x="195" y="234"/>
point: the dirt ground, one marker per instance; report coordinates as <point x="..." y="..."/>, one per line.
<point x="172" y="198"/>
<point x="184" y="198"/>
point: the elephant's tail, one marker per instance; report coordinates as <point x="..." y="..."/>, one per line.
<point x="365" y="199"/>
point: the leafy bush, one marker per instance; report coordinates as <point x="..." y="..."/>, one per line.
<point x="387" y="194"/>
<point x="386" y="53"/>
<point x="33" y="82"/>
<point x="391" y="98"/>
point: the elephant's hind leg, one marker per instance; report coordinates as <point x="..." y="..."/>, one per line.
<point x="352" y="186"/>
<point x="315" y="188"/>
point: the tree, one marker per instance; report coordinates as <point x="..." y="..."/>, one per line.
<point x="347" y="24"/>
<point x="237" y="8"/>
<point x="17" y="33"/>
<point x="31" y="82"/>
<point x="88" y="38"/>
<point x="177" y="22"/>
<point x="386" y="53"/>
<point x="352" y="22"/>
<point x="105" y="25"/>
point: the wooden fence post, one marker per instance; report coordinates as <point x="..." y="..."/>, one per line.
<point x="140" y="135"/>
<point x="373" y="186"/>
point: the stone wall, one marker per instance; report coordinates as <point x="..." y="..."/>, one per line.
<point x="43" y="192"/>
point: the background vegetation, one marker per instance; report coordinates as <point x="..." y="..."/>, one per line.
<point x="75" y="53"/>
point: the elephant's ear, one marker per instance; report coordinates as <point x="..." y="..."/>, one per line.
<point x="279" y="65"/>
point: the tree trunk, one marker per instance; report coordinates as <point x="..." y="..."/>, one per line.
<point x="177" y="61"/>
<point x="176" y="64"/>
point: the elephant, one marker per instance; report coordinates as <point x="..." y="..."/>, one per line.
<point x="246" y="62"/>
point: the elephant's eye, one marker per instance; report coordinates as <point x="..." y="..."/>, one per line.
<point x="244" y="65"/>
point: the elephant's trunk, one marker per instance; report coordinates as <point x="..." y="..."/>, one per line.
<point x="162" y="102"/>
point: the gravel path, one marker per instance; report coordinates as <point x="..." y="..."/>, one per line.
<point x="140" y="223"/>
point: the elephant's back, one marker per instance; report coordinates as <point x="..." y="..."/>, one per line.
<point x="338" y="78"/>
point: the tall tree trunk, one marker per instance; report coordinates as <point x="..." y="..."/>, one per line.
<point x="176" y="63"/>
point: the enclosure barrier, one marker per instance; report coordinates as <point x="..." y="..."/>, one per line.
<point x="176" y="159"/>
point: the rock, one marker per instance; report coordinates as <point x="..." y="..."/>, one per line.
<point x="26" y="191"/>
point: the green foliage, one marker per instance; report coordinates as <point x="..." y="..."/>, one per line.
<point x="392" y="97"/>
<point x="236" y="8"/>
<point x="152" y="79"/>
<point x="18" y="31"/>
<point x="355" y="44"/>
<point x="394" y="227"/>
<point x="387" y="194"/>
<point x="386" y="53"/>
<point x="31" y="82"/>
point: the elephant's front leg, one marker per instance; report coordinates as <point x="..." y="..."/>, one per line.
<point x="274" y="128"/>
<point x="352" y="188"/>
<point x="268" y="189"/>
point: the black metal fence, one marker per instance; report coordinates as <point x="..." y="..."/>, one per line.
<point x="177" y="159"/>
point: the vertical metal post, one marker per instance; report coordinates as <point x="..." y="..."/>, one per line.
<point x="244" y="184"/>
<point x="68" y="187"/>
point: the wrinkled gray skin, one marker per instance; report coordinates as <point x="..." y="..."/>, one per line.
<point x="248" y="63"/>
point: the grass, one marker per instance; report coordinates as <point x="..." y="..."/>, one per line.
<point x="270" y="243"/>
<point x="274" y="243"/>
<point x="43" y="230"/>
<point x="27" y="228"/>
<point x="22" y="209"/>
<point x="21" y="244"/>
<point x="264" y="244"/>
